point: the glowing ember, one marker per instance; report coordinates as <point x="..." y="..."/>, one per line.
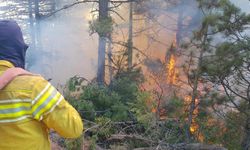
<point x="192" y="129"/>
<point x="153" y="110"/>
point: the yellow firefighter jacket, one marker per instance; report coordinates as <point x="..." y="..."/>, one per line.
<point x="29" y="107"/>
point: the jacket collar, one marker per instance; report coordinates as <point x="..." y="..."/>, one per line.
<point x="5" y="64"/>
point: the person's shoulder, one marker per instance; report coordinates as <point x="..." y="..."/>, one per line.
<point x="26" y="83"/>
<point x="29" y="80"/>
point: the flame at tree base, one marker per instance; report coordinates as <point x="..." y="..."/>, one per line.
<point x="194" y="128"/>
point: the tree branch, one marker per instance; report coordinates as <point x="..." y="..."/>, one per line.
<point x="69" y="6"/>
<point x="117" y="14"/>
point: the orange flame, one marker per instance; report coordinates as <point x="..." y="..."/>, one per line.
<point x="194" y="126"/>
<point x="153" y="110"/>
<point x="171" y="76"/>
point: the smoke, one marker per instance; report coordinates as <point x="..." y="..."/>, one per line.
<point x="63" y="47"/>
<point x="59" y="46"/>
<point x="243" y="4"/>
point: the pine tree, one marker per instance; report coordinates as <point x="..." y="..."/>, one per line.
<point x="227" y="63"/>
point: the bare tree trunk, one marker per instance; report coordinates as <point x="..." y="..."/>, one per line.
<point x="101" y="60"/>
<point x="53" y="5"/>
<point x="130" y="39"/>
<point x="246" y="140"/>
<point x="179" y="28"/>
<point x="31" y="21"/>
<point x="110" y="60"/>
<point x="30" y="61"/>
<point x="103" y="14"/>
<point x="37" y="14"/>
<point x="195" y="88"/>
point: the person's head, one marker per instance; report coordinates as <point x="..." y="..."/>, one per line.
<point x="12" y="45"/>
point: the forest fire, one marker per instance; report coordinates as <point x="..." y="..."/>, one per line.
<point x="171" y="71"/>
<point x="194" y="127"/>
<point x="171" y="62"/>
<point x="140" y="74"/>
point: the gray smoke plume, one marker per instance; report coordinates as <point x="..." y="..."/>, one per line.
<point x="64" y="47"/>
<point x="59" y="46"/>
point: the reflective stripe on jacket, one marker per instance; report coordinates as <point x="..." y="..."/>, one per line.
<point x="29" y="107"/>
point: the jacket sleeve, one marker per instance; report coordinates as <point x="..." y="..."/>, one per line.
<point x="50" y="107"/>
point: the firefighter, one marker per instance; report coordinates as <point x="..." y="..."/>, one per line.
<point x="29" y="105"/>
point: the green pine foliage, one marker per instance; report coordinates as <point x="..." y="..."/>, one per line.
<point x="120" y="101"/>
<point x="234" y="131"/>
<point x="226" y="66"/>
<point x="102" y="27"/>
<point x="114" y="101"/>
<point x="142" y="108"/>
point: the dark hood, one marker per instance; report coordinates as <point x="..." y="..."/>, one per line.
<point x="12" y="45"/>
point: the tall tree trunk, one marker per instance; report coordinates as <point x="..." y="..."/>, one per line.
<point x="130" y="38"/>
<point x="101" y="60"/>
<point x="103" y="14"/>
<point x="195" y="87"/>
<point x="110" y="60"/>
<point x="246" y="140"/>
<point x="179" y="28"/>
<point x="53" y="5"/>
<point x="31" y="21"/>
<point x="31" y="33"/>
<point x="37" y="12"/>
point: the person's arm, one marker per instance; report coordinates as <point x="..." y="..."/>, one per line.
<point x="65" y="120"/>
<point x="54" y="111"/>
